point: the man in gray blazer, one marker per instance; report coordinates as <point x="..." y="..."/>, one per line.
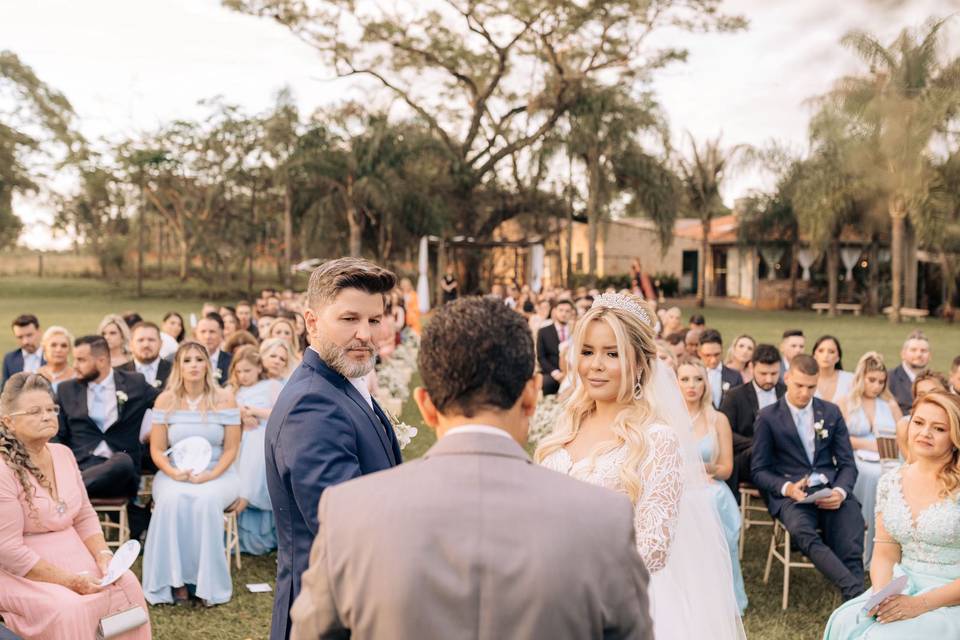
<point x="473" y="540"/>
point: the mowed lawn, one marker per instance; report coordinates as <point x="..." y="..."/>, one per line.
<point x="80" y="304"/>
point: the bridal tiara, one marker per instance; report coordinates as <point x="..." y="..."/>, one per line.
<point x="622" y="302"/>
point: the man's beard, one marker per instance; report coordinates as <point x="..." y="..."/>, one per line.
<point x="337" y="359"/>
<point x="89" y="376"/>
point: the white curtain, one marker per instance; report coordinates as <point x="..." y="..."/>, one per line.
<point x="806" y="258"/>
<point x="537" y="255"/>
<point x="771" y="256"/>
<point x="850" y="257"/>
<point x="423" y="281"/>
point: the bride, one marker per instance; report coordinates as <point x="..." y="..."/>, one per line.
<point x="624" y="426"/>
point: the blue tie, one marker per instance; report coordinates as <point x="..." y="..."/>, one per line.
<point x="98" y="411"/>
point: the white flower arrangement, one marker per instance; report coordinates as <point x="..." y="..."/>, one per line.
<point x="217" y="373"/>
<point x="121" y="398"/>
<point x="157" y="383"/>
<point x="725" y="386"/>
<point x="405" y="432"/>
<point x="820" y="430"/>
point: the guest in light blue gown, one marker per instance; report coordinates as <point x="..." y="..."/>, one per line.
<point x="712" y="429"/>
<point x="185" y="550"/>
<point x="917" y="536"/>
<point x="869" y="410"/>
<point x="256" y="397"/>
<point x="57" y="348"/>
<point x="833" y="382"/>
<point x="278" y="359"/>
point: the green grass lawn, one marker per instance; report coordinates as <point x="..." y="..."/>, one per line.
<point x="79" y="305"/>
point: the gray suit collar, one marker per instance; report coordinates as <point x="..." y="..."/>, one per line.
<point x="477" y="444"/>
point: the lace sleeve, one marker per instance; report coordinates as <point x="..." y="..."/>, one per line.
<point x="883" y="490"/>
<point x="658" y="508"/>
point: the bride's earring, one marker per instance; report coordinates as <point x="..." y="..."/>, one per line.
<point x="638" y="389"/>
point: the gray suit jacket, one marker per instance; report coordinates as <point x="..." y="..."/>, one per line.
<point x="473" y="541"/>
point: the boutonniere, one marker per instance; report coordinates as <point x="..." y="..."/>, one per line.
<point x="405" y="433"/>
<point x="820" y="430"/>
<point x="725" y="386"/>
<point x="217" y="373"/>
<point x="121" y="399"/>
<point x="157" y="383"/>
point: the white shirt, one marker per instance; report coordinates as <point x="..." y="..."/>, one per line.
<point x="765" y="398"/>
<point x="31" y="361"/>
<point x="102" y="409"/>
<point x="361" y="385"/>
<point x="148" y="370"/>
<point x="715" y="377"/>
<point x="478" y="428"/>
<point x="910" y="372"/>
<point x="803" y="419"/>
<point x="168" y="345"/>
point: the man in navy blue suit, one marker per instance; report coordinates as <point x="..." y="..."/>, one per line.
<point x="325" y="427"/>
<point x="801" y="445"/>
<point x="28" y="356"/>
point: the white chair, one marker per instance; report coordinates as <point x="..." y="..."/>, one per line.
<point x="232" y="532"/>
<point x="780" y="549"/>
<point x="112" y="513"/>
<point x="749" y="509"/>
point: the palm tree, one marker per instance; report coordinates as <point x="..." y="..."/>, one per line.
<point x="702" y="175"/>
<point x="902" y="105"/>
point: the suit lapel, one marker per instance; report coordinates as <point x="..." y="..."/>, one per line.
<point x="120" y="382"/>
<point x="378" y="426"/>
<point x="818" y="442"/>
<point x="786" y="417"/>
<point x="754" y="400"/>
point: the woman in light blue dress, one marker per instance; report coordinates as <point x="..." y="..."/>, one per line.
<point x="869" y="410"/>
<point x="712" y="429"/>
<point x="917" y="536"/>
<point x="256" y="397"/>
<point x="833" y="382"/>
<point x="185" y="550"/>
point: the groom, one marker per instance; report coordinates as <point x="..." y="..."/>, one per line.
<point x="325" y="427"/>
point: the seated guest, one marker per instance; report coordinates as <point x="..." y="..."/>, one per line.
<point x="263" y="323"/>
<point x="833" y="382"/>
<point x="237" y="340"/>
<point x="712" y="431"/>
<point x="245" y="318"/>
<point x="209" y="333"/>
<point x="740" y="355"/>
<point x="284" y="328"/>
<point x="924" y="547"/>
<point x="665" y="354"/>
<point x="230" y="325"/>
<point x="743" y="403"/>
<point x="869" y="411"/>
<point x="300" y="325"/>
<point x="488" y="581"/>
<point x="256" y="396"/>
<point x="386" y="338"/>
<point x="278" y="359"/>
<point x="52" y="551"/>
<point x="549" y="339"/>
<point x="800" y="446"/>
<point x="691" y="342"/>
<point x="698" y="322"/>
<point x="677" y="342"/>
<point x="926" y="382"/>
<point x="28" y="356"/>
<point x="540" y="316"/>
<point x="792" y="344"/>
<point x="57" y="349"/>
<point x="720" y="378"/>
<point x="955" y="376"/>
<point x="131" y="318"/>
<point x="102" y="413"/>
<point x="672" y="321"/>
<point x="185" y="550"/>
<point x="145" y="345"/>
<point x="914" y="356"/>
<point x="115" y="331"/>
<point x="171" y="334"/>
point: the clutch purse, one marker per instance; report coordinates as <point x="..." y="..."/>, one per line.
<point x="114" y="624"/>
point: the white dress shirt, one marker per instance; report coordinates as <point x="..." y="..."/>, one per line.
<point x="909" y="371"/>
<point x="102" y="409"/>
<point x="148" y="370"/>
<point x="803" y="419"/>
<point x="478" y="428"/>
<point x="361" y="385"/>
<point x="715" y="378"/>
<point x="764" y="398"/>
<point x="32" y="361"/>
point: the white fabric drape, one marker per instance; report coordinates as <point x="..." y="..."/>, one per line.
<point x="850" y="257"/>
<point x="423" y="281"/>
<point x="537" y="255"/>
<point x="771" y="256"/>
<point x="806" y="258"/>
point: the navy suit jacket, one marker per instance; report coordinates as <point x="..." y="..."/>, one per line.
<point x="778" y="455"/>
<point x="321" y="432"/>
<point x="223" y="366"/>
<point x="902" y="389"/>
<point x="13" y="363"/>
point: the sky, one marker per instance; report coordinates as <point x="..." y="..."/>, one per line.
<point x="131" y="65"/>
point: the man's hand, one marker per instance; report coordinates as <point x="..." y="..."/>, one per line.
<point x="833" y="502"/>
<point x="796" y="490"/>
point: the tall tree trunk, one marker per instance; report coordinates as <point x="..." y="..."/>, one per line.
<point x="873" y="277"/>
<point x="141" y="240"/>
<point x="354" y="221"/>
<point x="897" y="215"/>
<point x="704" y="259"/>
<point x="568" y="264"/>
<point x="160" y="249"/>
<point x="253" y="246"/>
<point x="287" y="234"/>
<point x="593" y="215"/>
<point x="794" y="265"/>
<point x="833" y="275"/>
<point x="184" y="256"/>
<point x="910" y="265"/>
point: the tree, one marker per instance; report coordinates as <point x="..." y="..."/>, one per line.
<point x="702" y="175"/>
<point x="902" y="105"/>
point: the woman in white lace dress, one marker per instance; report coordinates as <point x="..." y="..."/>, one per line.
<point x="624" y="426"/>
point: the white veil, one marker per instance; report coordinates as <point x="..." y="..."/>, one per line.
<point x="698" y="565"/>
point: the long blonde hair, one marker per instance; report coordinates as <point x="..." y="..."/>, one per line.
<point x="178" y="388"/>
<point x="636" y="351"/>
<point x="869" y="362"/>
<point x="949" y="475"/>
<point x="270" y="344"/>
<point x="121" y="324"/>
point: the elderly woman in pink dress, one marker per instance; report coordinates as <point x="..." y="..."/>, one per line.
<point x="52" y="550"/>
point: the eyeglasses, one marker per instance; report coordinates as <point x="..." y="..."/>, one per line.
<point x="36" y="411"/>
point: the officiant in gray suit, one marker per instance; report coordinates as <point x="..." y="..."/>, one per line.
<point x="473" y="540"/>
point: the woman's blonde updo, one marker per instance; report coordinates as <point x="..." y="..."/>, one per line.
<point x="636" y="352"/>
<point x="11" y="449"/>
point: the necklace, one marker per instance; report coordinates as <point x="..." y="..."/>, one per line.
<point x="695" y="417"/>
<point x="193" y="403"/>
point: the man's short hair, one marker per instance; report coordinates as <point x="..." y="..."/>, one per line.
<point x="144" y="324"/>
<point x="25" y="320"/>
<point x="333" y="276"/>
<point x="476" y="353"/>
<point x="243" y="303"/>
<point x="698" y="319"/>
<point x="132" y="318"/>
<point x="766" y="354"/>
<point x="98" y="345"/>
<point x="216" y="317"/>
<point x="710" y="336"/>
<point x="676" y="337"/>
<point x="566" y="301"/>
<point x="916" y="334"/>
<point x="805" y="364"/>
<point x="792" y="333"/>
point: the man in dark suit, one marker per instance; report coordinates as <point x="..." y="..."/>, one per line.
<point x="325" y="427"/>
<point x="914" y="356"/>
<point x="742" y="404"/>
<point x="102" y="412"/>
<point x="209" y="333"/>
<point x="145" y="345"/>
<point x="720" y="377"/>
<point x="801" y="446"/>
<point x="549" y="339"/>
<point x="792" y="343"/>
<point x="245" y="318"/>
<point x="28" y="356"/>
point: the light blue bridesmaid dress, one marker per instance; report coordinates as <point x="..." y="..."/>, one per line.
<point x="258" y="534"/>
<point x="868" y="471"/>
<point x="930" y="558"/>
<point x="729" y="514"/>
<point x="185" y="541"/>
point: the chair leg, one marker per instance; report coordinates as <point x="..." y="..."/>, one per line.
<point x="744" y="525"/>
<point x="770" y="552"/>
<point x="124" y="533"/>
<point x="786" y="568"/>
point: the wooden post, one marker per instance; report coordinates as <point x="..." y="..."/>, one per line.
<point x="40" y="265"/>
<point x="441" y="269"/>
